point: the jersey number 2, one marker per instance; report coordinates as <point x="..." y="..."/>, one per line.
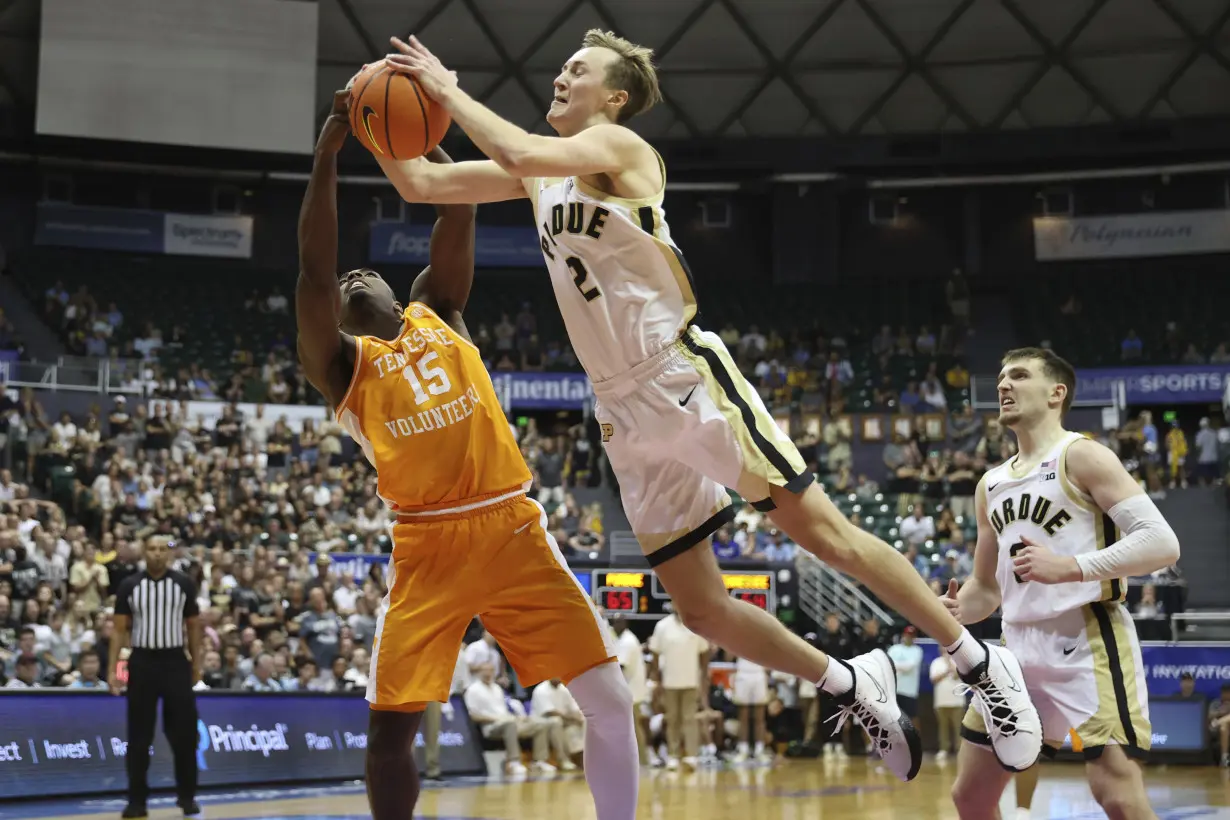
<point x="434" y="378"/>
<point x="579" y="275"/>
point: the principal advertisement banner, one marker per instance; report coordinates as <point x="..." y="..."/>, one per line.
<point x="1208" y="664"/>
<point x="1137" y="235"/>
<point x="1178" y="384"/>
<point x="188" y="235"/>
<point x="121" y="229"/>
<point x="494" y="247"/>
<point x="67" y="743"/>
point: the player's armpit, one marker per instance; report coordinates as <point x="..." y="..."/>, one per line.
<point x="461" y="183"/>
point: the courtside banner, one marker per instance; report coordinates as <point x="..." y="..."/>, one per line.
<point x="542" y="391"/>
<point x="189" y="235"/>
<point x="108" y="229"/>
<point x="494" y="247"/>
<point x="358" y="565"/>
<point x="122" y="229"/>
<point x="69" y="742"/>
<point x="1168" y="384"/>
<point x="1175" y="233"/>
<point x="1208" y="664"/>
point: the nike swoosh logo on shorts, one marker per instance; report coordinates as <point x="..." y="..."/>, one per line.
<point x="684" y="400"/>
<point x="521" y="529"/>
<point x="1069" y="651"/>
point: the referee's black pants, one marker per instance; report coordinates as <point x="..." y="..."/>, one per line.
<point x="165" y="674"/>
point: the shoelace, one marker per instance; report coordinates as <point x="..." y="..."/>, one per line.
<point x="877" y="731"/>
<point x="1001" y="717"/>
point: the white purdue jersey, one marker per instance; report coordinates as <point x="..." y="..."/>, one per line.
<point x="1042" y="505"/>
<point x="623" y="288"/>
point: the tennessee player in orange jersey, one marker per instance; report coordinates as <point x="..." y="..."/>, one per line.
<point x="410" y="387"/>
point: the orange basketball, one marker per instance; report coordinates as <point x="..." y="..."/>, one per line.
<point x="392" y="116"/>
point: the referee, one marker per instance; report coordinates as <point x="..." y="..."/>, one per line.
<point x="152" y="609"/>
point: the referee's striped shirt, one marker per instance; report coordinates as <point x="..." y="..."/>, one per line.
<point x="158" y="609"/>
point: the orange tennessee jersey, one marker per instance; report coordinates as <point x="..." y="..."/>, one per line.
<point x="424" y="411"/>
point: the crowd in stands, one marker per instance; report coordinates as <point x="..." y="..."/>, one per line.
<point x="255" y="509"/>
<point x="914" y="368"/>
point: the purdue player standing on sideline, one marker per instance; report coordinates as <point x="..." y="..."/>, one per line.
<point x="410" y="388"/>
<point x="154" y="609"/>
<point x="1061" y="526"/>
<point x="680" y="423"/>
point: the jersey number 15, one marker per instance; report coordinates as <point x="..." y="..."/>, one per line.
<point x="435" y="379"/>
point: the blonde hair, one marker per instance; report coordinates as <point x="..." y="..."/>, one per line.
<point x="633" y="72"/>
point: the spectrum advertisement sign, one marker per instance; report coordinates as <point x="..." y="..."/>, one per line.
<point x="76" y="743"/>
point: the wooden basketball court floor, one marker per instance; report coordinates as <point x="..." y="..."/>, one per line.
<point x="824" y="789"/>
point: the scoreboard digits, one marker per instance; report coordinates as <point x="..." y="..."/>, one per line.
<point x="637" y="594"/>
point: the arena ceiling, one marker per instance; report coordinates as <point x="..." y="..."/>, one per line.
<point x="775" y="68"/>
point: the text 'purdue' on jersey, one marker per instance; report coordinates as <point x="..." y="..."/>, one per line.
<point x="424" y="411"/>
<point x="623" y="288"/>
<point x="1041" y="504"/>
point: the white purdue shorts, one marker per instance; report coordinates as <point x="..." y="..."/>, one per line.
<point x="679" y="429"/>
<point x="1085" y="674"/>
<point x="750" y="689"/>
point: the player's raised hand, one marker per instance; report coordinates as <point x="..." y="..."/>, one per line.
<point x="1039" y="564"/>
<point x="337" y="125"/>
<point x="950" y="600"/>
<point x="414" y="59"/>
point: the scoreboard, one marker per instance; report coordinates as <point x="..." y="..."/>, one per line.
<point x="639" y="594"/>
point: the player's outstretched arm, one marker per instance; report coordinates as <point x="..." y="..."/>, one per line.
<point x="461" y="183"/>
<point x="598" y="150"/>
<point x="980" y="595"/>
<point x="446" y="282"/>
<point x="325" y="353"/>
<point x="1146" y="543"/>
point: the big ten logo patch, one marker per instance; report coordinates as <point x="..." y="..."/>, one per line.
<point x="608" y="430"/>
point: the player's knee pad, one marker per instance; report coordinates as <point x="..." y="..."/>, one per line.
<point x="603" y="695"/>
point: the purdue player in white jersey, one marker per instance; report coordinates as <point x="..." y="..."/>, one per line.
<point x="1060" y="528"/>
<point x="679" y="422"/>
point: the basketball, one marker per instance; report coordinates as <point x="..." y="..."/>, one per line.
<point x="392" y="116"/>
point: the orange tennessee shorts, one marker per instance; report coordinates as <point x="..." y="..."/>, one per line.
<point x="498" y="563"/>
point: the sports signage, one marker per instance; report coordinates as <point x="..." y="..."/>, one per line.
<point x="1174" y="233"/>
<point x="1165" y="384"/>
<point x="359" y="564"/>
<point x="639" y="594"/>
<point x="67" y="742"/>
<point x="1165" y="665"/>
<point x="122" y="229"/>
<point x="401" y="243"/>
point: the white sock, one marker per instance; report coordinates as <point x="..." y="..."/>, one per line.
<point x="759" y="748"/>
<point x="838" y="679"/>
<point x="612" y="763"/>
<point x="966" y="652"/>
<point x="742" y="747"/>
